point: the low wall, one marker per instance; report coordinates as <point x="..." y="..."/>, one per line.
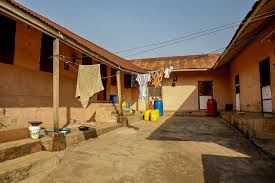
<point x="26" y="95"/>
<point x="96" y="112"/>
<point x="253" y="125"/>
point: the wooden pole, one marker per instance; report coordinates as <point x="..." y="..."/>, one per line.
<point x="147" y="98"/>
<point x="56" y="85"/>
<point x="119" y="91"/>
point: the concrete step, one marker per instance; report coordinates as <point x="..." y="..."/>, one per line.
<point x="13" y="133"/>
<point x="77" y="136"/>
<point x="134" y="117"/>
<point x="28" y="166"/>
<point x="19" y="148"/>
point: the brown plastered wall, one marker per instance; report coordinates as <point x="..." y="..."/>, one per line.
<point x="128" y="94"/>
<point x="184" y="96"/>
<point x="246" y="64"/>
<point x="26" y="92"/>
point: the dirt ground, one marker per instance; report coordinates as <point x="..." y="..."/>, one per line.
<point x="175" y="149"/>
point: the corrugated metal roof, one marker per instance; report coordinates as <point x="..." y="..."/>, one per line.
<point x="247" y="31"/>
<point x="84" y="42"/>
<point x="178" y="62"/>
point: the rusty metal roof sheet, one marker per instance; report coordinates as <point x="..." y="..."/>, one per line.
<point x="84" y="42"/>
<point x="178" y="62"/>
<point x="248" y="30"/>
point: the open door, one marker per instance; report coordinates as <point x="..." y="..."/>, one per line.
<point x="237" y="93"/>
<point x="205" y="93"/>
<point x="266" y="95"/>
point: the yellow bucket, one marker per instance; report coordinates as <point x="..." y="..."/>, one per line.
<point x="154" y="116"/>
<point x="123" y="104"/>
<point x="147" y="115"/>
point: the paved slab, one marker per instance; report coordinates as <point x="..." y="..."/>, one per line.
<point x="175" y="149"/>
<point x="31" y="165"/>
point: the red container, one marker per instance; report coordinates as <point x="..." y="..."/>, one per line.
<point x="212" y="107"/>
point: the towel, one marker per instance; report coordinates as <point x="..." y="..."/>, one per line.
<point x="142" y="80"/>
<point x="88" y="83"/>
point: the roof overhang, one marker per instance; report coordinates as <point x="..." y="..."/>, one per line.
<point x="17" y="13"/>
<point x="190" y="70"/>
<point x="248" y="31"/>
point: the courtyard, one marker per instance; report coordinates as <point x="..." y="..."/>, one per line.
<point x="175" y="149"/>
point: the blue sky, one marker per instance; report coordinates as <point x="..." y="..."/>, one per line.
<point x="123" y="24"/>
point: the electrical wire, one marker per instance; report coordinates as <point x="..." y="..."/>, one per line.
<point x="176" y="42"/>
<point x="191" y="34"/>
<point x="236" y="45"/>
<point x="198" y="34"/>
<point x="63" y="59"/>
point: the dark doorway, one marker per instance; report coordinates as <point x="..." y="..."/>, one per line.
<point x="113" y="78"/>
<point x="86" y="60"/>
<point x="127" y="80"/>
<point x="266" y="96"/>
<point x="237" y="93"/>
<point x="101" y="96"/>
<point x="7" y="39"/>
<point x="205" y="93"/>
<point x="46" y="53"/>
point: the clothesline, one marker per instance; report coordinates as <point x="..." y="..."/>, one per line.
<point x="62" y="58"/>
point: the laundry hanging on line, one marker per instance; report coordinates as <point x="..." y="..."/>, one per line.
<point x="88" y="83"/>
<point x="156" y="78"/>
<point x="167" y="71"/>
<point x="142" y="80"/>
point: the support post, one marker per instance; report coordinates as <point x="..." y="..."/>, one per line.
<point x="147" y="98"/>
<point x="119" y="91"/>
<point x="273" y="75"/>
<point x="56" y="85"/>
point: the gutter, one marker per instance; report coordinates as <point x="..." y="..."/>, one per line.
<point x="189" y="70"/>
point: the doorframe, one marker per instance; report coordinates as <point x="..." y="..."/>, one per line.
<point x="237" y="93"/>
<point x="261" y="92"/>
<point x="199" y="92"/>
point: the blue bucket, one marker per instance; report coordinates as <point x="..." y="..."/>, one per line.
<point x="113" y="99"/>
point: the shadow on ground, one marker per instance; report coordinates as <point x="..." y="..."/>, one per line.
<point x="251" y="166"/>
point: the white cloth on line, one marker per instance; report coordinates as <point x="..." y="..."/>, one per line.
<point x="167" y="71"/>
<point x="88" y="83"/>
<point x="142" y="80"/>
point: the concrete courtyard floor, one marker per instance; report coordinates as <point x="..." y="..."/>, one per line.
<point x="175" y="149"/>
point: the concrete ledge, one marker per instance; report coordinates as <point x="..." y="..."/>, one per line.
<point x="28" y="166"/>
<point x="253" y="125"/>
<point x="13" y="133"/>
<point x="134" y="117"/>
<point x="19" y="148"/>
<point x="76" y="137"/>
<point x="185" y="113"/>
<point x="266" y="146"/>
<point x="8" y="122"/>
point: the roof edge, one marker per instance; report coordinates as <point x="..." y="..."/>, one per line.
<point x="254" y="10"/>
<point x="21" y="13"/>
